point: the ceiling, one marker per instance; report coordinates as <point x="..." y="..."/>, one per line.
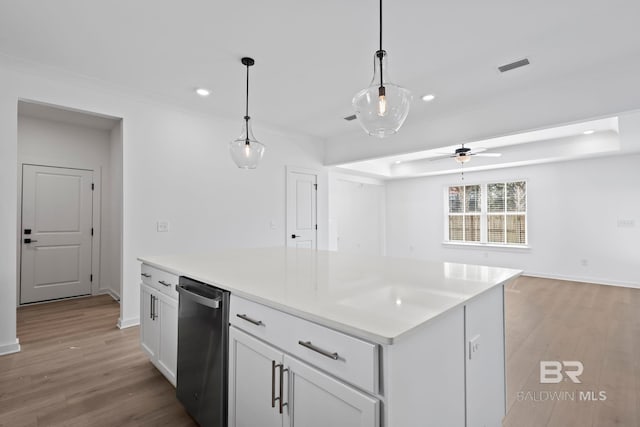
<point x="580" y="140"/>
<point x="312" y="57"/>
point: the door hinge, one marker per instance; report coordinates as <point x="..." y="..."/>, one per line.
<point x="316" y="226"/>
<point x="93" y="186"/>
<point x="315" y="186"/>
<point x="91" y="278"/>
<point x="92" y="231"/>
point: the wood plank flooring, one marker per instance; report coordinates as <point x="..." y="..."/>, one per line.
<point x="77" y="369"/>
<point x="558" y="320"/>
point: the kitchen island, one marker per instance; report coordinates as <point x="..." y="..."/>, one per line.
<point x="356" y="340"/>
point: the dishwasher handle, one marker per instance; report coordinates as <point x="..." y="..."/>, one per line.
<point x="200" y="299"/>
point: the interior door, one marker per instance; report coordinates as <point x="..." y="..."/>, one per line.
<point x="57" y="206"/>
<point x="302" y="224"/>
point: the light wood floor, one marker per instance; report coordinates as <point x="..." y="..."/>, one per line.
<point x="596" y="325"/>
<point x="77" y="369"/>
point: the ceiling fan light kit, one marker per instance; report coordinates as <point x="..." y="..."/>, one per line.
<point x="382" y="107"/>
<point x="246" y="151"/>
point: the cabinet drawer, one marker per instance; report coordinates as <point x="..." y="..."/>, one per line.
<point x="160" y="280"/>
<point x="343" y="356"/>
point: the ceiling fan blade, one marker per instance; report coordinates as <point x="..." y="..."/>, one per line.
<point x="487" y="154"/>
<point x="440" y="157"/>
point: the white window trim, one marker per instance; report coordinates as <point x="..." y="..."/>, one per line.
<point x="483" y="217"/>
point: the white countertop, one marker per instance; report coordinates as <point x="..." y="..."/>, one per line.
<point x="378" y="299"/>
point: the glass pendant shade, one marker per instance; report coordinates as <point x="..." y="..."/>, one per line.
<point x="382" y="109"/>
<point x="245" y="150"/>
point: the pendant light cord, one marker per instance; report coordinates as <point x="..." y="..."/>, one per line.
<point x="380" y="24"/>
<point x="246" y="111"/>
<point x="380" y="51"/>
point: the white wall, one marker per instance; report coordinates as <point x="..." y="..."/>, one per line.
<point x="176" y="167"/>
<point x="356" y="214"/>
<point x="52" y="143"/>
<point x="573" y="213"/>
<point x="112" y="228"/>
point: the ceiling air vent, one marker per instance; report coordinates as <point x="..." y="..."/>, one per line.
<point x="351" y="117"/>
<point x="513" y="65"/>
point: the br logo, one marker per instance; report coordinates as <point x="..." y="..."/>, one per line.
<point x="553" y="371"/>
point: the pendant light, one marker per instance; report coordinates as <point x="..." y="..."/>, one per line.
<point x="246" y="151"/>
<point x="382" y="107"/>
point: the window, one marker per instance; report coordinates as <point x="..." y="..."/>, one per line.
<point x="494" y="213"/>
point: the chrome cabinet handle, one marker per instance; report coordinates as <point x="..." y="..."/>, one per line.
<point x="151" y="307"/>
<point x="145" y="275"/>
<point x="155" y="306"/>
<point x="162" y="282"/>
<point x="250" y="320"/>
<point x="281" y="398"/>
<point x="325" y="353"/>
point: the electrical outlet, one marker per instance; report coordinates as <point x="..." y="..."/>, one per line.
<point x="162" y="226"/>
<point x="474" y="346"/>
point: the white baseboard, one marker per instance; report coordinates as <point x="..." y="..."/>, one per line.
<point x="109" y="292"/>
<point x="10" y="348"/>
<point x="595" y="281"/>
<point x="127" y="323"/>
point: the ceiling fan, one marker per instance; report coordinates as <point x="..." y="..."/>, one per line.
<point x="463" y="154"/>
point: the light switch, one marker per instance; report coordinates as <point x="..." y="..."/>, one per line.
<point x="163" y="226"/>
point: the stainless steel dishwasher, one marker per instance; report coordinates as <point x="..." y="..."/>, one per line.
<point x="203" y="348"/>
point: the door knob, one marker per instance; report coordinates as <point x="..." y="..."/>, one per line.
<point x="30" y="241"/>
<point x="293" y="236"/>
<point x="27" y="231"/>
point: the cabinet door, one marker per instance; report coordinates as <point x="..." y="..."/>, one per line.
<point x="167" y="320"/>
<point x="148" y="325"/>
<point x="315" y="399"/>
<point x="252" y="382"/>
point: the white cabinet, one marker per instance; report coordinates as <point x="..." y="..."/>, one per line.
<point x="319" y="400"/>
<point x="148" y="325"/>
<point x="159" y="320"/>
<point x="270" y="388"/>
<point x="253" y="382"/>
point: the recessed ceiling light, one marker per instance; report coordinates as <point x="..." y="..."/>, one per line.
<point x="203" y="92"/>
<point x="428" y="97"/>
<point x="589" y="132"/>
<point x="397" y="162"/>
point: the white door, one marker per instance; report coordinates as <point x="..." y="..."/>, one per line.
<point x="314" y="399"/>
<point x="253" y="382"/>
<point x="57" y="206"/>
<point x="302" y="226"/>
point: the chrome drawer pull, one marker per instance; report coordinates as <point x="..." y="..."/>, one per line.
<point x="145" y="275"/>
<point x="162" y="282"/>
<point x="250" y="320"/>
<point x="310" y="346"/>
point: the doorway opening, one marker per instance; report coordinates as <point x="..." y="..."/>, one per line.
<point x="69" y="204"/>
